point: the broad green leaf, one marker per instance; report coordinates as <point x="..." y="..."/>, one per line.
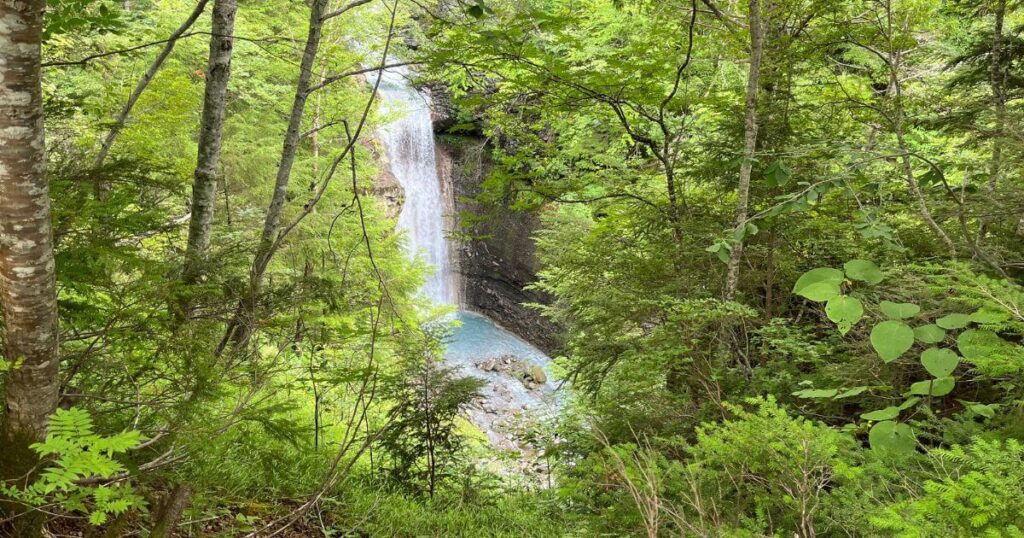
<point x="899" y="310"/>
<point x="845" y="311"/>
<point x="987" y="411"/>
<point x="777" y="174"/>
<point x="816" y="393"/>
<point x="863" y="270"/>
<point x="819" y="284"/>
<point x="939" y="362"/>
<point x="930" y="334"/>
<point x="851" y="392"/>
<point x="888" y="413"/>
<point x="911" y="402"/>
<point x="722" y="249"/>
<point x="891" y="339"/>
<point x="892" y="439"/>
<point x="936" y="387"/>
<point x="953" y="321"/>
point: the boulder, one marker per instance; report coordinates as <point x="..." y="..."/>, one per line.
<point x="536" y="373"/>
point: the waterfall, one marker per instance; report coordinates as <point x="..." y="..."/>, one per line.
<point x="477" y="346"/>
<point x="409" y="144"/>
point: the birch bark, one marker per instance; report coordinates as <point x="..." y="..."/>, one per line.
<point x="204" y="185"/>
<point x="749" y="144"/>
<point x="28" y="294"/>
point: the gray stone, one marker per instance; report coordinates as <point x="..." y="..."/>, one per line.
<point x="496" y="256"/>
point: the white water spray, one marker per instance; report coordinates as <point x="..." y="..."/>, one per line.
<point x="409" y="142"/>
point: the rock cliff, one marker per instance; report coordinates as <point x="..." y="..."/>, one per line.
<point x="496" y="256"/>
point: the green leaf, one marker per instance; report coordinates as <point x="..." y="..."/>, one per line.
<point x="899" y="310"/>
<point x="891" y="339"/>
<point x="888" y="413"/>
<point x="939" y="362"/>
<point x="911" y="402"/>
<point x="819" y="284"/>
<point x="722" y="249"/>
<point x="987" y="411"/>
<point x="977" y="344"/>
<point x="953" y="321"/>
<point x="863" y="270"/>
<point x="816" y="393"/>
<point x="845" y="311"/>
<point x="851" y="392"/>
<point x="892" y="439"/>
<point x="777" y="174"/>
<point x="930" y="334"/>
<point x="936" y="387"/>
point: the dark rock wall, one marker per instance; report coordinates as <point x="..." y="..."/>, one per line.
<point x="496" y="256"/>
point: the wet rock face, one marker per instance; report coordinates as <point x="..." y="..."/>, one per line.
<point x="442" y="112"/>
<point x="496" y="254"/>
<point x="385" y="185"/>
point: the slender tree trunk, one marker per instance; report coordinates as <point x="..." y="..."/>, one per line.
<point x="242" y="325"/>
<point x="908" y="168"/>
<point x="122" y="116"/>
<point x="749" y="144"/>
<point x="204" y="185"/>
<point x="997" y="81"/>
<point x="28" y="296"/>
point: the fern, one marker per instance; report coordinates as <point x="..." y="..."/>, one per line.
<point x="981" y="494"/>
<point x="76" y="453"/>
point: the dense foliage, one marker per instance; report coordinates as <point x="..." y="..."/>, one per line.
<point x="783" y="241"/>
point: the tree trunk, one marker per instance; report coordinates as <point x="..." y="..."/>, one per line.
<point x="204" y="185"/>
<point x="241" y="327"/>
<point x="170" y="512"/>
<point x="122" y="116"/>
<point x="749" y="145"/>
<point x="908" y="168"/>
<point x="997" y="81"/>
<point x="28" y="296"/>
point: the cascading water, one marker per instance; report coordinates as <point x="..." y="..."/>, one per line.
<point x="517" y="393"/>
<point x="409" y="142"/>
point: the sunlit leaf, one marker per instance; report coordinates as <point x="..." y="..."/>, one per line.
<point x="939" y="362"/>
<point x="819" y="284"/>
<point x="844" y="311"/>
<point x="891" y="339"/>
<point x="953" y="321"/>
<point x="899" y="310"/>
<point x="930" y="334"/>
<point x="933" y="387"/>
<point x="863" y="270"/>
<point x="888" y="413"/>
<point x="892" y="439"/>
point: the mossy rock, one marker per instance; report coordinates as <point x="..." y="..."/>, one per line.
<point x="536" y="373"/>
